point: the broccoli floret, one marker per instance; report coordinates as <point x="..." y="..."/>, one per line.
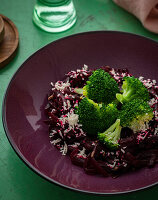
<point x="111" y="136"/>
<point x="135" y="114"/>
<point x="96" y="117"/>
<point x="132" y="88"/>
<point x="100" y="87"/>
<point x="89" y="115"/>
<point x="109" y="114"/>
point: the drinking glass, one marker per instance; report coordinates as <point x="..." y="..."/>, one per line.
<point x="54" y="15"/>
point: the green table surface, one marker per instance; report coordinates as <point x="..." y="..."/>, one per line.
<point x="17" y="181"/>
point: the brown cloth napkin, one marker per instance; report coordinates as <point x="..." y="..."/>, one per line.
<point x="145" y="10"/>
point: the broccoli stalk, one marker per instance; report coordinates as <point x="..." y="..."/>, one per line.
<point x="132" y="88"/>
<point x="111" y="136"/>
<point x="82" y="91"/>
<point x="100" y="87"/>
<point x="135" y="115"/>
<point x="78" y="90"/>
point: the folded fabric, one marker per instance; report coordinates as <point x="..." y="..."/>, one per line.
<point x="145" y="10"/>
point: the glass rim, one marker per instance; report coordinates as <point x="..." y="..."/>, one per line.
<point x="54" y="2"/>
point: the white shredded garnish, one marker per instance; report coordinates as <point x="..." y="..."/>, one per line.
<point x="152" y="101"/>
<point x="52" y="133"/>
<point x="123" y="74"/>
<point x="141" y="78"/>
<point x="102" y="152"/>
<point x="124" y="164"/>
<point x="113" y="71"/>
<point x="76" y="144"/>
<point x="72" y="120"/>
<point x="156" y="114"/>
<point x="60" y="133"/>
<point x="85" y="67"/>
<point x="82" y="153"/>
<point x="59" y="85"/>
<point x="123" y="151"/>
<point x="156" y="131"/>
<point x="54" y="142"/>
<point x="112" y="165"/>
<point x="64" y="149"/>
<point x="68" y="104"/>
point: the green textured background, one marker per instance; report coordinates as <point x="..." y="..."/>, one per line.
<point x="17" y="181"/>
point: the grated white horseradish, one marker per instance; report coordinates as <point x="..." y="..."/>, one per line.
<point x="122" y="150"/>
<point x="82" y="153"/>
<point x="156" y="131"/>
<point x="64" y="149"/>
<point x="85" y="67"/>
<point x="152" y="101"/>
<point x="59" y="85"/>
<point x="72" y="120"/>
<point x="112" y="165"/>
<point x="54" y="142"/>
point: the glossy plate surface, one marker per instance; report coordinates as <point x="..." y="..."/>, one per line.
<point x="23" y="106"/>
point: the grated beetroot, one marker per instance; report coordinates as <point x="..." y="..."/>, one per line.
<point x="136" y="150"/>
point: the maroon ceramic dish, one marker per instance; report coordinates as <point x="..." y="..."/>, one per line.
<point x="25" y="99"/>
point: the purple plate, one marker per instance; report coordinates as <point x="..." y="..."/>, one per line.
<point x="25" y="98"/>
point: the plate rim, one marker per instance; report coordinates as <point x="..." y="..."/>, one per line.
<point x="14" y="146"/>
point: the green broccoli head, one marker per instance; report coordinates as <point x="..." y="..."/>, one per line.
<point x="89" y="115"/>
<point x="136" y="114"/>
<point x="100" y="87"/>
<point x="132" y="88"/>
<point x="96" y="117"/>
<point x="111" y="136"/>
<point x="109" y="114"/>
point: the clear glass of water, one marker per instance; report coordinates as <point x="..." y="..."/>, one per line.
<point x="54" y="15"/>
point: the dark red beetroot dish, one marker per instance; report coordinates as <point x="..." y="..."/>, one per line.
<point x="136" y="150"/>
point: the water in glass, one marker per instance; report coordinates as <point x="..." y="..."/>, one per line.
<point x="54" y="15"/>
